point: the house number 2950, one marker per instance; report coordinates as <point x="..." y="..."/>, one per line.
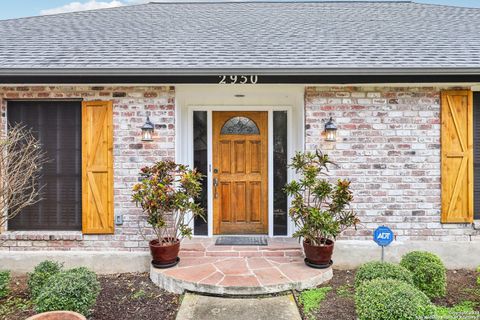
<point x="238" y="79"/>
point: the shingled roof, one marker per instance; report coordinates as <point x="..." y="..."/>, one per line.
<point x="266" y="37"/>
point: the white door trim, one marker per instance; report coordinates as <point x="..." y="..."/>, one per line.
<point x="189" y="98"/>
<point x="270" y="110"/>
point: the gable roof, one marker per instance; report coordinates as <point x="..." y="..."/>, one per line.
<point x="268" y="37"/>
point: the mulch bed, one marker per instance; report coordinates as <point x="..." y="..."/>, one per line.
<point x="134" y="296"/>
<point x="339" y="303"/>
<point x="123" y="297"/>
<point x="17" y="305"/>
<point x="461" y="286"/>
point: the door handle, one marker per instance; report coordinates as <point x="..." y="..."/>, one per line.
<point x="215" y="185"/>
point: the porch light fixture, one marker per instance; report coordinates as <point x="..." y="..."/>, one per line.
<point x="330" y="130"/>
<point x="147" y="130"/>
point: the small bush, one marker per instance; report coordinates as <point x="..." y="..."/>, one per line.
<point x="390" y="299"/>
<point x="429" y="273"/>
<point x="40" y="275"/>
<point x="4" y="283"/>
<point x="311" y="299"/>
<point x="73" y="290"/>
<point x="382" y="270"/>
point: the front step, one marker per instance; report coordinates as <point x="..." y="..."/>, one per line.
<point x="239" y="270"/>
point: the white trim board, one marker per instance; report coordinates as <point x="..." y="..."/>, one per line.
<point x="221" y="98"/>
<point x="473" y="85"/>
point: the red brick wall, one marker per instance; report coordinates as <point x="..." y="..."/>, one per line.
<point x="130" y="154"/>
<point x="388" y="145"/>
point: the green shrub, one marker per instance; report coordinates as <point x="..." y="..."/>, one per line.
<point x="429" y="273"/>
<point x="311" y="299"/>
<point x="73" y="290"/>
<point x="382" y="270"/>
<point x="42" y="272"/>
<point x="4" y="283"/>
<point x="390" y="299"/>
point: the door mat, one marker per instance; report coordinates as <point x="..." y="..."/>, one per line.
<point x="241" y="241"/>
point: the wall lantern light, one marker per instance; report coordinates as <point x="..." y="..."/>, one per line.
<point x="330" y="130"/>
<point x="147" y="130"/>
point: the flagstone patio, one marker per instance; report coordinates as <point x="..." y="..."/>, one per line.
<point x="239" y="270"/>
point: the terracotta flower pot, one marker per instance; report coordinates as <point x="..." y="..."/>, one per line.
<point x="58" y="315"/>
<point x="164" y="255"/>
<point x="318" y="255"/>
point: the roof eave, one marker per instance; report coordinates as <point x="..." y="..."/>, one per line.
<point x="234" y="71"/>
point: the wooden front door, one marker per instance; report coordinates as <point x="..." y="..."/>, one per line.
<point x="240" y="172"/>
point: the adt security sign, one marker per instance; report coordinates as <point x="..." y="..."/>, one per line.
<point x="383" y="236"/>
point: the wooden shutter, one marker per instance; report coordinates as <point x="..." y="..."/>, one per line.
<point x="457" y="156"/>
<point x="97" y="165"/>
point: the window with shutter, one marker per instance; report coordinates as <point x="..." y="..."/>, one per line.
<point x="97" y="165"/>
<point x="457" y="156"/>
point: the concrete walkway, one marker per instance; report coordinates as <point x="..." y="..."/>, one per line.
<point x="196" y="307"/>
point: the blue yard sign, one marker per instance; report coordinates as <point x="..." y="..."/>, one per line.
<point x="383" y="236"/>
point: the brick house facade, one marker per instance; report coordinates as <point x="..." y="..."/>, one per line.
<point x="401" y="92"/>
<point x="388" y="145"/>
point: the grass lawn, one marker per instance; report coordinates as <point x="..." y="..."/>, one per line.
<point x="336" y="298"/>
<point x="123" y="297"/>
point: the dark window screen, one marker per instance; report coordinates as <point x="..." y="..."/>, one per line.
<point x="58" y="127"/>
<point x="476" y="152"/>
<point x="280" y="159"/>
<point x="200" y="162"/>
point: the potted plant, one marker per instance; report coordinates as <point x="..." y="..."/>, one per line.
<point x="320" y="209"/>
<point x="166" y="194"/>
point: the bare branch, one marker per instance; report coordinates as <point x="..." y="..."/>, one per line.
<point x="21" y="163"/>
